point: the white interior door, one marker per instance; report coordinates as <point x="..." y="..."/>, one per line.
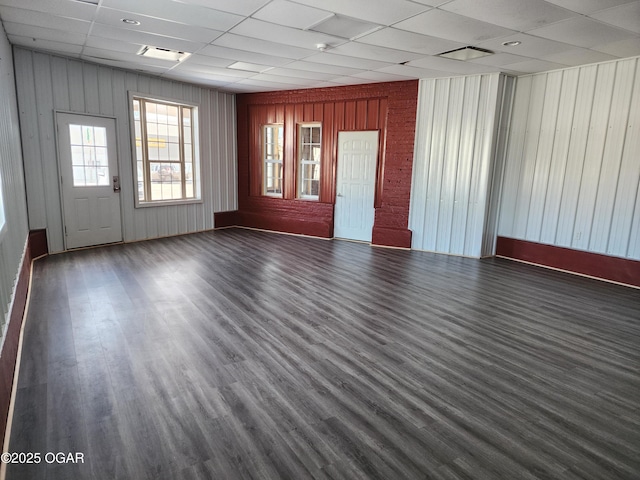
<point x="356" y="185"/>
<point x="89" y="180"/>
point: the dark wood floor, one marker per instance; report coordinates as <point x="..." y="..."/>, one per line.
<point x="249" y="355"/>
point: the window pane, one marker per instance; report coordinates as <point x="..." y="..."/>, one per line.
<point x="309" y="157"/>
<point x="101" y="156"/>
<point x="166" y="163"/>
<point x="172" y="113"/>
<point x="77" y="157"/>
<point x="75" y="132"/>
<point x="100" y="136"/>
<point x="78" y="177"/>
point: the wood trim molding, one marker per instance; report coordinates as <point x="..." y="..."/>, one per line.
<point x="606" y="267"/>
<point x="226" y="219"/>
<point x="36" y="247"/>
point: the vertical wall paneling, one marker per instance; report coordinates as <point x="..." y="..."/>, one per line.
<point x="576" y="161"/>
<point x="457" y="142"/>
<point x="46" y="83"/>
<point x="13" y="235"/>
<point x="505" y="95"/>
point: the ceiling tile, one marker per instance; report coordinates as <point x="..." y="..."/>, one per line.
<point x="349" y="81"/>
<point x="578" y="56"/>
<point x="624" y="48"/>
<point x="345" y="27"/>
<point x="453" y="27"/>
<point x="515" y="14"/>
<point x="500" y="59"/>
<point x="383" y="12"/>
<point x="136" y="66"/>
<point x="40" y="33"/>
<point x="292" y="72"/>
<point x="534" y="66"/>
<point x="322" y="68"/>
<point x="239" y="7"/>
<point x="268" y="77"/>
<point x="582" y="32"/>
<point x="101" y="54"/>
<point x="409" y="41"/>
<point x="208" y="61"/>
<point x="199" y="79"/>
<point x="380" y="76"/>
<point x="107" y="31"/>
<point x="453" y="66"/>
<point x="530" y="47"/>
<point x="374" y="52"/>
<point x="242" y="55"/>
<point x="240" y="42"/>
<point x="265" y="84"/>
<point x="48" y="45"/>
<point x="588" y="6"/>
<point x="625" y="16"/>
<point x="157" y="26"/>
<point x="284" y="35"/>
<point x="44" y="20"/>
<point x="415" y="72"/>
<point x="111" y="44"/>
<point x="71" y="8"/>
<point x="344" y="61"/>
<point x="230" y="74"/>
<point x="177" y="12"/>
<point x="291" y="14"/>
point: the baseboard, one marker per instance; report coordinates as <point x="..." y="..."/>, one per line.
<point x="36" y="246"/>
<point x="605" y="267"/>
<point x="391" y="237"/>
<point x="226" y="219"/>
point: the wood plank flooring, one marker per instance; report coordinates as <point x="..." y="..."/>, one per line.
<point x="238" y="354"/>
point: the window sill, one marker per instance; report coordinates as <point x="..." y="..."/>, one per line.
<point x="168" y="203"/>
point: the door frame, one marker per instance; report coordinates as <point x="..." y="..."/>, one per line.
<point x="377" y="188"/>
<point x="59" y="166"/>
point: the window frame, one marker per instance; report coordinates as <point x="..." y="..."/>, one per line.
<point x="196" y="157"/>
<point x="300" y="163"/>
<point x="263" y="144"/>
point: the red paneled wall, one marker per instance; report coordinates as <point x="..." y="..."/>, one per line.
<point x="387" y="107"/>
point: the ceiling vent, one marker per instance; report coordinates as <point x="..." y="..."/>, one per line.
<point x="162" y="53"/>
<point x="466" y="53"/>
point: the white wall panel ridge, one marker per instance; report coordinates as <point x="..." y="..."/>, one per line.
<point x="573" y="172"/>
<point x="49" y="83"/>
<point x="15" y="229"/>
<point x="457" y="169"/>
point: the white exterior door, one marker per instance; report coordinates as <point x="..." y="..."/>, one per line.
<point x="89" y="180"/>
<point x="356" y="185"/>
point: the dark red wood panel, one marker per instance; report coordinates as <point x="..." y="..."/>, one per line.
<point x="387" y="107"/>
<point x="36" y="246"/>
<point x="616" y="269"/>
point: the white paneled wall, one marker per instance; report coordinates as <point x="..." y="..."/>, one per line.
<point x="460" y="138"/>
<point x="48" y="83"/>
<point x="13" y="236"/>
<point x="573" y="167"/>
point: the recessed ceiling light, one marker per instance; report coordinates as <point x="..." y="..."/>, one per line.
<point x="513" y="43"/>
<point x="466" y="53"/>
<point x="163" y="53"/>
<point x="130" y="21"/>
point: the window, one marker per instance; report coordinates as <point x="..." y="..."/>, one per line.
<point x="166" y="144"/>
<point x="273" y="152"/>
<point x="309" y="161"/>
<point x="89" y="156"/>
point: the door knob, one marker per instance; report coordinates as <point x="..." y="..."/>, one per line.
<point x="116" y="183"/>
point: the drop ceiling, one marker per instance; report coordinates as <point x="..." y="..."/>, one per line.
<point x="261" y="45"/>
